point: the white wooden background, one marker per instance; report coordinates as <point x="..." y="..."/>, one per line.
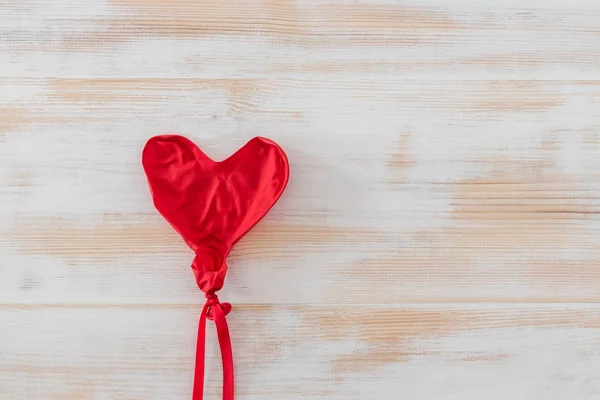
<point x="439" y="238"/>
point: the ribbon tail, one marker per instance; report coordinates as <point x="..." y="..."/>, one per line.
<point x="226" y="352"/>
<point x="198" y="393"/>
<point x="218" y="315"/>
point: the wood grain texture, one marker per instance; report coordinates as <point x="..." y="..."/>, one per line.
<point x="438" y="238"/>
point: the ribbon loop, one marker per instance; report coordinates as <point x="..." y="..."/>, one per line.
<point x="213" y="300"/>
<point x="214" y="310"/>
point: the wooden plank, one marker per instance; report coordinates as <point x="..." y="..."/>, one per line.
<point x="132" y="38"/>
<point x="432" y="207"/>
<point x="146" y="352"/>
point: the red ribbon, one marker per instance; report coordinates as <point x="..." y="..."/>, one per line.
<point x="214" y="310"/>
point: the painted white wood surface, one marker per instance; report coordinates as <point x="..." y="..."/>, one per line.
<point x="438" y="239"/>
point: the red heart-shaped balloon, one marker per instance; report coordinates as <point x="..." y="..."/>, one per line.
<point x="212" y="204"/>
